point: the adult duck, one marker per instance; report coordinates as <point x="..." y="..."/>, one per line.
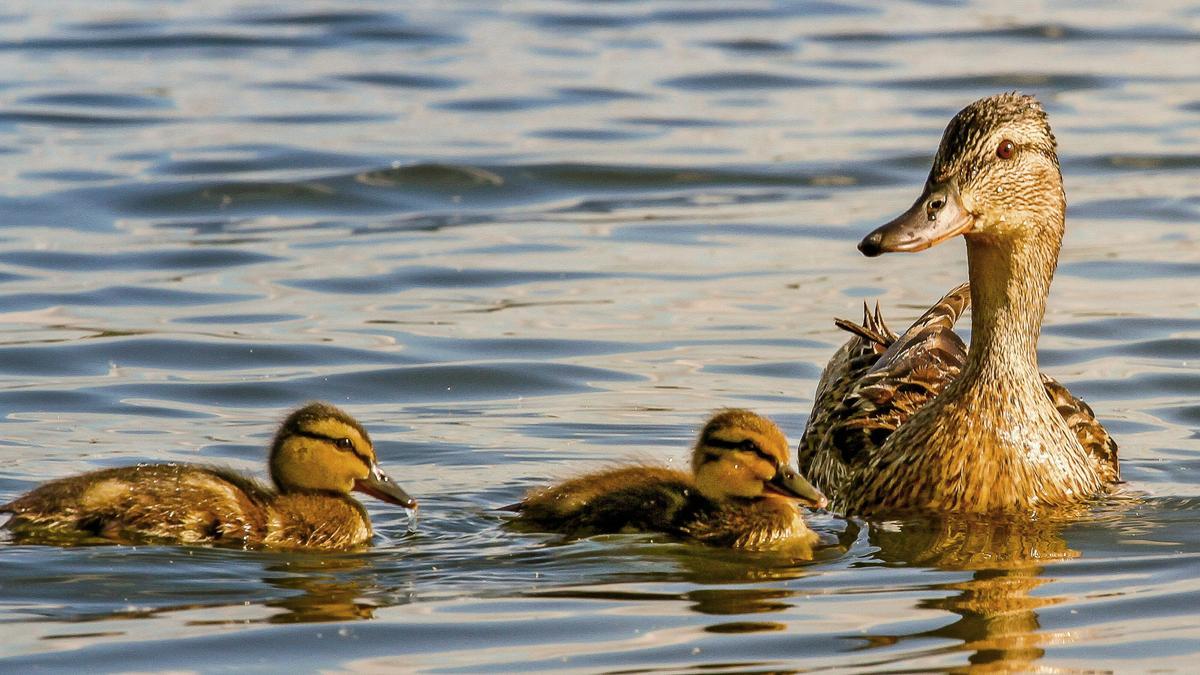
<point x="319" y="455"/>
<point x="918" y="422"/>
<point x="741" y="493"/>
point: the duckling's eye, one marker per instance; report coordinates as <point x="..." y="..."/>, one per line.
<point x="344" y="444"/>
<point x="1006" y="149"/>
<point x="749" y="445"/>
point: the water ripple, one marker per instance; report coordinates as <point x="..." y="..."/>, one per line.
<point x="119" y="296"/>
<point x="182" y="259"/>
<point x="740" y="81"/>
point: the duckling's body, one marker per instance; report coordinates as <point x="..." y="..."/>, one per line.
<point x="319" y="455"/>
<point x="740" y="494"/>
<point x="919" y="422"/>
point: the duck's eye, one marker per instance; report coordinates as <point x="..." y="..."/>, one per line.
<point x="344" y="444"/>
<point x="750" y="446"/>
<point x="1006" y="149"/>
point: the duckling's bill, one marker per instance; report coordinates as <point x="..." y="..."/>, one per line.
<point x="791" y="484"/>
<point x="937" y="215"/>
<point x="380" y="486"/>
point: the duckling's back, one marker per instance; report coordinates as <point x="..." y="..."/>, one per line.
<point x="629" y="499"/>
<point x="177" y="502"/>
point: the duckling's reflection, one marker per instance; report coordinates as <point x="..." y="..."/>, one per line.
<point x="720" y="573"/>
<point x="709" y="566"/>
<point x="735" y="601"/>
<point x="329" y="590"/>
<point x="998" y="621"/>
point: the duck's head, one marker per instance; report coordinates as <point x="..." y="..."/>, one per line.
<point x="742" y="454"/>
<point x="996" y="175"/>
<point x="321" y="448"/>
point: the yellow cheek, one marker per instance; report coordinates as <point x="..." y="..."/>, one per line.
<point x="346" y="469"/>
<point x="729" y="479"/>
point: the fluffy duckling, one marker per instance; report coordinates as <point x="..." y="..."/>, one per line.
<point x="319" y="455"/>
<point x="740" y="493"/>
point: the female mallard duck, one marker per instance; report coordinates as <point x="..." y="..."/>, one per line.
<point x="918" y="422"/>
<point x="319" y="455"/>
<point x="740" y="493"/>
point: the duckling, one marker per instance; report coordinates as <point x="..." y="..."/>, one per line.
<point x="921" y="422"/>
<point x="319" y="455"/>
<point x="740" y="493"/>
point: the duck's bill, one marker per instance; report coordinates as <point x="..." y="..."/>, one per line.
<point x="935" y="217"/>
<point x="379" y="486"/>
<point x="791" y="484"/>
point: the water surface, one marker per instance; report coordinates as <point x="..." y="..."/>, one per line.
<point x="519" y="241"/>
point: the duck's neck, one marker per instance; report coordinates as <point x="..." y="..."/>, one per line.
<point x="1010" y="279"/>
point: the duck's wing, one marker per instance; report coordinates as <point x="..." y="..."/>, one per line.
<point x="1091" y="433"/>
<point x="914" y="369"/>
<point x="849" y="363"/>
<point x="876" y="381"/>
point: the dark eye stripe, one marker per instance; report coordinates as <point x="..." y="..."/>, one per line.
<point x="353" y="449"/>
<point x="759" y="451"/>
<point x="746" y="445"/>
<point x="723" y="444"/>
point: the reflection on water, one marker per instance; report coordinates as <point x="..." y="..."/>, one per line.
<point x="522" y="241"/>
<point x="325" y="589"/>
<point x="997" y="620"/>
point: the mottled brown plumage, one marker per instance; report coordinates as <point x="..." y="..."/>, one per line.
<point x="908" y="372"/>
<point x="739" y="494"/>
<point x="922" y="423"/>
<point x="319" y="455"/>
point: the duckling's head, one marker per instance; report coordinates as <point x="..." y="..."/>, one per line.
<point x="321" y="448"/>
<point x="995" y="175"/>
<point x="743" y="454"/>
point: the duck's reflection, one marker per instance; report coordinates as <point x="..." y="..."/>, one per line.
<point x="998" y="621"/>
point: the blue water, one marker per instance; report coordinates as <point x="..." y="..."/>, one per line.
<point x="524" y="240"/>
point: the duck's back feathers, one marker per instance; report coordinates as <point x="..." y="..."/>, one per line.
<point x="913" y="369"/>
<point x="875" y="381"/>
<point x="847" y="366"/>
<point x="1091" y="433"/>
<point x="885" y="379"/>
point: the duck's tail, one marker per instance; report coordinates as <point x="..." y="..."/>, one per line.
<point x="943" y="314"/>
<point x="873" y="329"/>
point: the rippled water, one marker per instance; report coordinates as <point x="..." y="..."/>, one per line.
<point x="521" y="240"/>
